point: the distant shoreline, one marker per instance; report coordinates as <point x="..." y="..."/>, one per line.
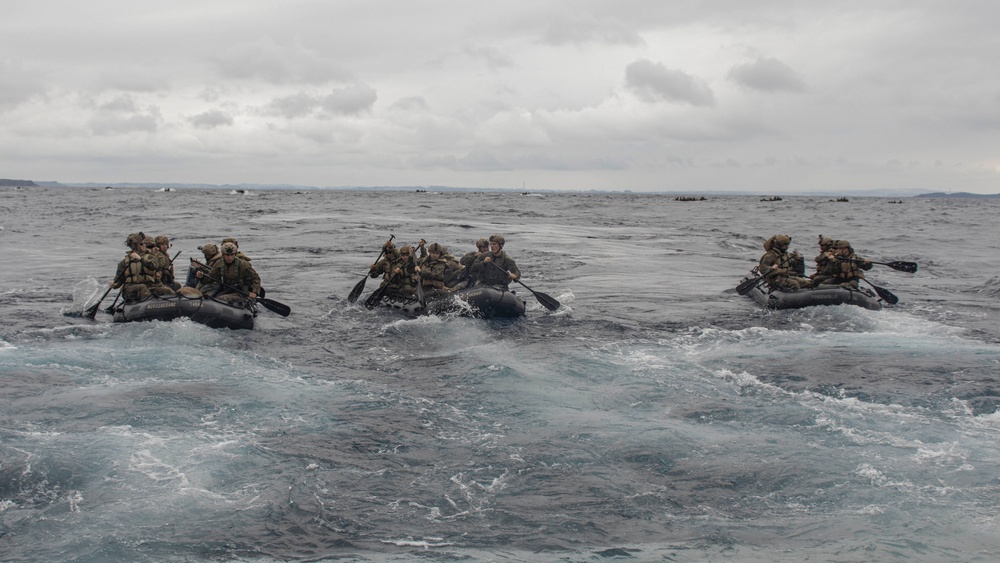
<point x="449" y="189"/>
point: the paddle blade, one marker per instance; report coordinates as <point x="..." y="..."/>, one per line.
<point x="274" y="306"/>
<point x="547" y="301"/>
<point x="886" y="295"/>
<point x="356" y="292"/>
<point x="745" y="286"/>
<point x="910" y="267"/>
<point x="374" y="298"/>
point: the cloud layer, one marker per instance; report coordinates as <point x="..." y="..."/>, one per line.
<point x="642" y="95"/>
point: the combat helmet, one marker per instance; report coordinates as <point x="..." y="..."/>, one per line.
<point x="482" y="243"/>
<point x="229" y="248"/>
<point x="209" y="250"/>
<point x="498" y="238"/>
<point x="437" y="247"/>
<point x="134" y="239"/>
<point x="162" y="239"/>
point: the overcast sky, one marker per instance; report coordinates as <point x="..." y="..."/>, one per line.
<point x="762" y="96"/>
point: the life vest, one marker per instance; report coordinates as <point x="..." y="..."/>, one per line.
<point x="141" y="271"/>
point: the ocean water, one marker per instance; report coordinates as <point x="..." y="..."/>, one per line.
<point x="656" y="415"/>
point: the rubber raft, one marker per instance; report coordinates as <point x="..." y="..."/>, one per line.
<point x="483" y="302"/>
<point x="189" y="304"/>
<point x="810" y="297"/>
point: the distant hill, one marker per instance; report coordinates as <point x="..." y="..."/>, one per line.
<point x="6" y="182"/>
<point x="960" y="195"/>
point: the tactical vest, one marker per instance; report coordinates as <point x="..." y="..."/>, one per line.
<point x="141" y="271"/>
<point x="849" y="271"/>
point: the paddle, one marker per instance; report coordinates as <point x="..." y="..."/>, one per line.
<point x="910" y="267"/>
<point x="747" y="285"/>
<point x="92" y="312"/>
<point x="379" y="293"/>
<point x="356" y="292"/>
<point x="547" y="301"/>
<point x="269" y="304"/>
<point x="420" y="292"/>
<point x="884" y="293"/>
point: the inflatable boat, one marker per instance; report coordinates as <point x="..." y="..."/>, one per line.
<point x="484" y="302"/>
<point x="190" y="303"/>
<point x="822" y="295"/>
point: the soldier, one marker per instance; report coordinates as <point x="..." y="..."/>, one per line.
<point x="778" y="267"/>
<point x="136" y="273"/>
<point x="827" y="266"/>
<point x="437" y="269"/>
<point x="236" y="273"/>
<point x="485" y="274"/>
<point x="482" y="245"/>
<point x="846" y="271"/>
<point x="166" y="265"/>
<point x="239" y="253"/>
<point x="212" y="255"/>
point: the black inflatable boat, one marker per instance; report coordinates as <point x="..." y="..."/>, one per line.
<point x="193" y="305"/>
<point x="822" y="295"/>
<point x="486" y="302"/>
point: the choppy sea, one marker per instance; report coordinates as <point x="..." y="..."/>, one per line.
<point x="657" y="415"/>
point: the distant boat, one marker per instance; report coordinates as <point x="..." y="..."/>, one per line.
<point x="239" y="191"/>
<point x="690" y="198"/>
<point x="775" y="198"/>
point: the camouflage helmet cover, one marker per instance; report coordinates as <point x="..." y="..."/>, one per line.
<point x="783" y="239"/>
<point x="230" y="239"/>
<point x="209" y="250"/>
<point x="134" y="239"/>
<point x="149" y="242"/>
<point x="162" y="239"/>
<point x="229" y="248"/>
<point x="498" y="238"/>
<point x="437" y="247"/>
<point x="482" y="243"/>
<point x="842" y="244"/>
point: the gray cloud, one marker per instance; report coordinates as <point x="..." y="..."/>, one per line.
<point x="582" y="28"/>
<point x="492" y="56"/>
<point x="19" y="85"/>
<point x="655" y="82"/>
<point x="275" y="63"/>
<point x="768" y="75"/>
<point x="350" y="100"/>
<point x="353" y="99"/>
<point x="211" y="119"/>
<point x="122" y="115"/>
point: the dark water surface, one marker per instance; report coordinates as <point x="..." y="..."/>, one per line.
<point x="656" y="416"/>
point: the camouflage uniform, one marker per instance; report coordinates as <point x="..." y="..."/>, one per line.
<point x="138" y="278"/>
<point x="240" y="275"/>
<point x="485" y="274"/>
<point x="844" y="272"/>
<point x="778" y="266"/>
<point x="166" y="264"/>
<point x="826" y="263"/>
<point x="438" y="274"/>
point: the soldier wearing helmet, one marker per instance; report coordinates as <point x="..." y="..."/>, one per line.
<point x="212" y="255"/>
<point x="845" y="266"/>
<point x="779" y="267"/>
<point x="437" y="270"/>
<point x="165" y="266"/>
<point x="238" y="281"/>
<point x="239" y="253"/>
<point x="482" y="245"/>
<point x="826" y="263"/>
<point x="398" y="271"/>
<point x="495" y="267"/>
<point x="136" y="274"/>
